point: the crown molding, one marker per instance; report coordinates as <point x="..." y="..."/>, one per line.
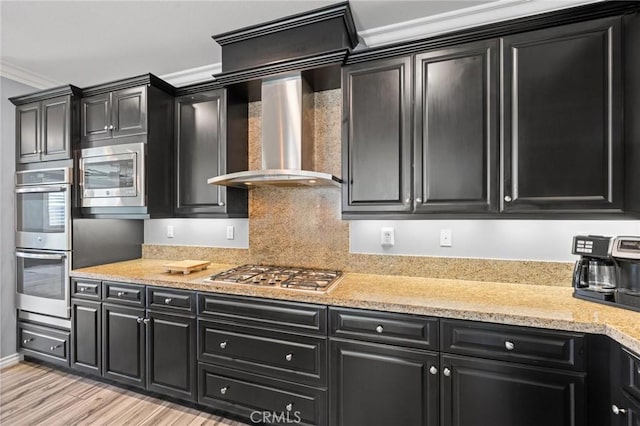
<point x="25" y="76"/>
<point x="460" y="19"/>
<point x="192" y="75"/>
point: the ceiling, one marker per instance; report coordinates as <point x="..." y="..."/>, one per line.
<point x="90" y="42"/>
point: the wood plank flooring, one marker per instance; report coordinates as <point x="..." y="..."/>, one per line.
<point x="33" y="394"/>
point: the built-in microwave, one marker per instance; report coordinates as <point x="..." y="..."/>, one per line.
<point x="43" y="209"/>
<point x="113" y="175"/>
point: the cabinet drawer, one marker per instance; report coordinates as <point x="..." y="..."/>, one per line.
<point x="397" y="329"/>
<point x="44" y="343"/>
<point x="512" y="343"/>
<point x="85" y="289"/>
<point x="289" y="356"/>
<point x="171" y="300"/>
<point x="122" y="293"/>
<point x="630" y="374"/>
<point x="255" y="396"/>
<point x="283" y="315"/>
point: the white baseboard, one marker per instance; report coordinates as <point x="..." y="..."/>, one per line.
<point x="10" y="360"/>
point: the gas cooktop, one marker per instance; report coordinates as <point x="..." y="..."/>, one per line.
<point x="279" y="276"/>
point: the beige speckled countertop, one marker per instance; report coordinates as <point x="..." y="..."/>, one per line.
<point x="518" y="304"/>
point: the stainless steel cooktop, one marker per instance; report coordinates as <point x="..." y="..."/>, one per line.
<point x="279" y="276"/>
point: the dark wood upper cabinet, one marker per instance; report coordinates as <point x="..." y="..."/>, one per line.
<point x="210" y="139"/>
<point x="456" y="122"/>
<point x="129" y="111"/>
<point x="563" y="146"/>
<point x="377" y="136"/>
<point x="96" y="117"/>
<point x="46" y="124"/>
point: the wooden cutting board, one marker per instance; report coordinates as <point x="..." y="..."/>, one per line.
<point x="186" y="266"/>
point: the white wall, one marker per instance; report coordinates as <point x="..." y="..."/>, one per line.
<point x="8" y="88"/>
<point x="197" y="232"/>
<point x="545" y="240"/>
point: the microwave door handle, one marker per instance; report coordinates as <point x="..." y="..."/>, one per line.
<point x="40" y="255"/>
<point x="41" y="189"/>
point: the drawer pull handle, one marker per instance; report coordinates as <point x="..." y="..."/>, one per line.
<point x="433" y="370"/>
<point x="224" y="390"/>
<point x="288" y="357"/>
<point x="83" y="289"/>
<point x="509" y="345"/>
<point x="379" y="329"/>
<point x="139" y="320"/>
<point x="106" y="127"/>
<point x="618" y="411"/>
<point x="146" y="321"/>
<point x="289" y="406"/>
<point x="110" y="126"/>
<point x="25" y="341"/>
<point x="122" y="293"/>
<point x="53" y="348"/>
<point x="446" y="372"/>
<point x="223" y="345"/>
<point x="507" y="198"/>
<point x="167" y="300"/>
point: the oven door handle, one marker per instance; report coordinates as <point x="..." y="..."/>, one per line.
<point x="61" y="188"/>
<point x="40" y="256"/>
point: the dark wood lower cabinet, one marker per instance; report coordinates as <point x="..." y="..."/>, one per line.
<point x="476" y="391"/>
<point x="376" y="384"/>
<point x="123" y="344"/>
<point x="172" y="356"/>
<point x="86" y="345"/>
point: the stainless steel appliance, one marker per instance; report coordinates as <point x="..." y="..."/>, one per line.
<point x="608" y="270"/>
<point x="43" y="209"/>
<point x="42" y="281"/>
<point x="316" y="280"/>
<point x="113" y="176"/>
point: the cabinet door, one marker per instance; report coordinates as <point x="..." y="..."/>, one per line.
<point x="56" y="132"/>
<point x="86" y="345"/>
<point x="123" y="343"/>
<point x="563" y="118"/>
<point x="475" y="391"/>
<point x="200" y="152"/>
<point x="28" y="133"/>
<point x="172" y="355"/>
<point x="376" y="135"/>
<point x="383" y="385"/>
<point x="129" y="111"/>
<point x="96" y="117"/>
<point x="456" y="116"/>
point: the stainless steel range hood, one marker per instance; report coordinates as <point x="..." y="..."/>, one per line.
<point x="287" y="139"/>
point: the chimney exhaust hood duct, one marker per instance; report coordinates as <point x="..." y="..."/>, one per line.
<point x="287" y="139"/>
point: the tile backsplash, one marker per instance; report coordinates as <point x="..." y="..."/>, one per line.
<point x="303" y="226"/>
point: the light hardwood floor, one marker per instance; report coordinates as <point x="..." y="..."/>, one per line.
<point x="33" y="394"/>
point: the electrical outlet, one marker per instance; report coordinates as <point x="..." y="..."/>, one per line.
<point x="230" y="232"/>
<point x="387" y="237"/>
<point x="446" y="238"/>
<point x="169" y="231"/>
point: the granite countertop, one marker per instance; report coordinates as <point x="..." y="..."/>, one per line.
<point x="505" y="303"/>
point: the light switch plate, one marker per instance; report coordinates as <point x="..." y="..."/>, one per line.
<point x="231" y="232"/>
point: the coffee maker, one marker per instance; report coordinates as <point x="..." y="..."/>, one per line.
<point x="608" y="270"/>
<point x="594" y="275"/>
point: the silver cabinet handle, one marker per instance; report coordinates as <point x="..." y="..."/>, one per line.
<point x="224" y="390"/>
<point x="379" y="329"/>
<point x="509" y="345"/>
<point x="35" y="151"/>
<point x="289" y="406"/>
<point x="507" y="198"/>
<point x="221" y="204"/>
<point x="106" y="127"/>
<point x="618" y="411"/>
<point x="146" y="321"/>
<point x="407" y="200"/>
<point x="83" y="289"/>
<point x="111" y="127"/>
<point x="446" y="372"/>
<point x="167" y="300"/>
<point x="139" y="320"/>
<point x="223" y="345"/>
<point x="53" y="348"/>
<point x="418" y="200"/>
<point x="288" y="357"/>
<point x="433" y="370"/>
<point x="122" y="293"/>
<point x="25" y="341"/>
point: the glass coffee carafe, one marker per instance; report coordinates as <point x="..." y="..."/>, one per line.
<point x="601" y="276"/>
